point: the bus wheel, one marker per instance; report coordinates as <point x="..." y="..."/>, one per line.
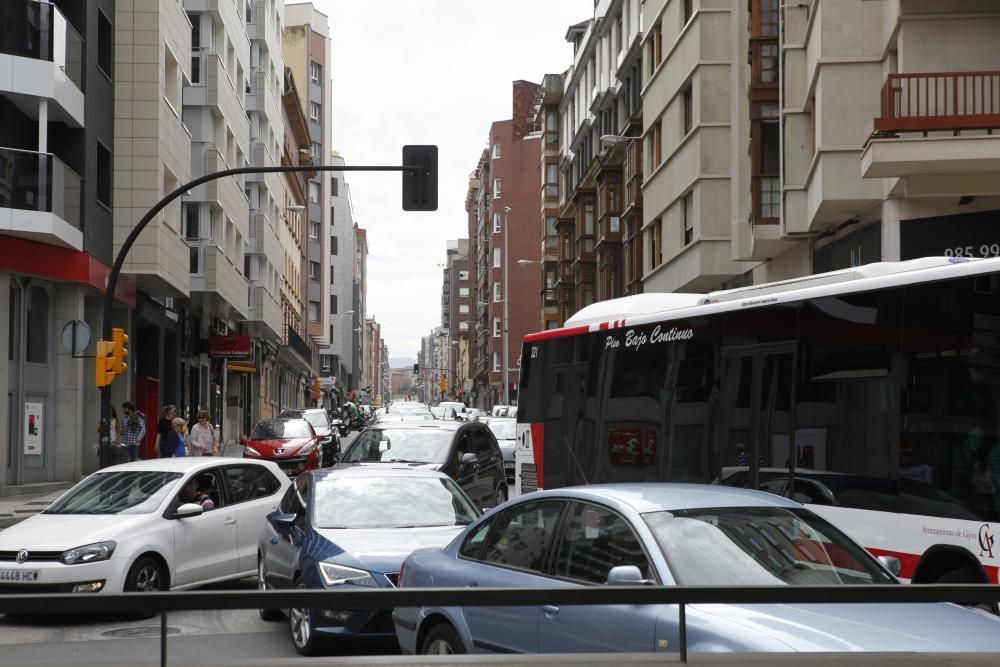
<point x="970" y="575"/>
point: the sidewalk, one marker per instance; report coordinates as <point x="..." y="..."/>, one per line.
<point x="17" y="508"/>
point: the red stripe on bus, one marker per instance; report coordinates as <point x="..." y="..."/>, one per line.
<point x="538" y="449"/>
<point x="557" y="333"/>
<point x="908" y="564"/>
<point x="604" y="326"/>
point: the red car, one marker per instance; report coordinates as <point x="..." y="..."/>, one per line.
<point x="291" y="443"/>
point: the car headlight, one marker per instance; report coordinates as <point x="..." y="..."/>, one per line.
<point x="250" y="451"/>
<point x="90" y="553"/>
<point x="309" y="448"/>
<point x="335" y="575"/>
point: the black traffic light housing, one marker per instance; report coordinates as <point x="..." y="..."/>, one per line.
<point x="416" y="369"/>
<point x="420" y="187"/>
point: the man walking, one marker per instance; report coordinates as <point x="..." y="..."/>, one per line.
<point x="133" y="429"/>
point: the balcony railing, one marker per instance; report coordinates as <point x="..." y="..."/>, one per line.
<point x="39" y="182"/>
<point x="940" y="101"/>
<point x="296" y="342"/>
<point x="38" y="30"/>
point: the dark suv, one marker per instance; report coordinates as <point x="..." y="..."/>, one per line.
<point x="466" y="452"/>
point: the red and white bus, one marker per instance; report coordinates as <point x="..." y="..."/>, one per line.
<point x="871" y="394"/>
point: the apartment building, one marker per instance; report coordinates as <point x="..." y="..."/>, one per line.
<point x="456" y="310"/>
<point x="306" y="49"/>
<point x="825" y="133"/>
<point x="338" y="366"/>
<point x="591" y="117"/>
<point x="360" y="299"/>
<point x="58" y="68"/>
<point x="502" y="211"/>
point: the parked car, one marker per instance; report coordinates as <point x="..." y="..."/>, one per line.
<point x="505" y="431"/>
<point x="466" y="452"/>
<point x="145" y="526"/>
<point x="352" y="527"/>
<point x="669" y="534"/>
<point x="324" y="427"/>
<point x="291" y="443"/>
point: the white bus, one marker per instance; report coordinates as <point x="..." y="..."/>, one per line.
<point x="871" y="394"/>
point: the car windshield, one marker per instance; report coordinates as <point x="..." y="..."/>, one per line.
<point x="734" y="546"/>
<point x="278" y="429"/>
<point x="121" y="492"/>
<point x="503" y="430"/>
<point x="317" y="419"/>
<point x="390" y="502"/>
<point x="417" y="445"/>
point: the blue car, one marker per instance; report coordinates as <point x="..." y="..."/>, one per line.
<point x="353" y="526"/>
<point x="667" y="534"/>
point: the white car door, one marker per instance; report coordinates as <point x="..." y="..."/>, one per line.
<point x="205" y="546"/>
<point x="253" y="493"/>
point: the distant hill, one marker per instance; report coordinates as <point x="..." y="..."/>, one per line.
<point x="401" y="362"/>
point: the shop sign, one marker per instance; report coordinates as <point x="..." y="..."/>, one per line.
<point x="964" y="235"/>
<point x="230" y="346"/>
<point x="33" y="440"/>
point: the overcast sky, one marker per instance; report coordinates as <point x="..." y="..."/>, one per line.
<point x="428" y="72"/>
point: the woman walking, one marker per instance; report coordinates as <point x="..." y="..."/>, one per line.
<point x="163" y="429"/>
<point x="175" y="439"/>
<point x="202" y="440"/>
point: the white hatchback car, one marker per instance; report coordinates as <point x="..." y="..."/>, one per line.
<point x="128" y="528"/>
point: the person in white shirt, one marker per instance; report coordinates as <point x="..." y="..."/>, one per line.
<point x="202" y="441"/>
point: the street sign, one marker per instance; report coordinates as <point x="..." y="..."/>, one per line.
<point x="76" y="336"/>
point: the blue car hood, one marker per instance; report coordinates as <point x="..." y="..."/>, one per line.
<point x="378" y="549"/>
<point x="850" y="627"/>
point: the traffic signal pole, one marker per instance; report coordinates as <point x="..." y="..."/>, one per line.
<point x="419" y="194"/>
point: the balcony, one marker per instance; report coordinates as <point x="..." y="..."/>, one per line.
<point x="296" y="351"/>
<point x="935" y="132"/>
<point x="41" y="56"/>
<point x="215" y="280"/>
<point x="40" y="198"/>
<point x="265" y="313"/>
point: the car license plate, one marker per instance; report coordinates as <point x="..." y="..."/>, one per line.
<point x="19" y="576"/>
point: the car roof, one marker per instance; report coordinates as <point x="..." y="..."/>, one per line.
<point x="304" y="410"/>
<point x="655" y="497"/>
<point x="181" y="464"/>
<point x="420" y="425"/>
<point x="375" y="470"/>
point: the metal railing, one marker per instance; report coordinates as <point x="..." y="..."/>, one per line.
<point x="39" y="30"/>
<point x="940" y="101"/>
<point x="682" y="596"/>
<point x="41" y="182"/>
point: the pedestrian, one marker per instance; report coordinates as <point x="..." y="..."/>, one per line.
<point x="174" y="443"/>
<point x="133" y="429"/>
<point x="203" y="440"/>
<point x="115" y="429"/>
<point x="163" y="429"/>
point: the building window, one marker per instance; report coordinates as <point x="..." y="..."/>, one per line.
<point x="195" y="19"/>
<point x="497" y="189"/>
<point x="655" y="249"/>
<point x="315" y="72"/>
<point x="314" y="311"/>
<point x="249" y="11"/>
<point x="314" y="112"/>
<point x="191" y="227"/>
<point x="496" y="223"/>
<point x="688" y="111"/>
<point x="463" y="309"/>
<point x="105" y="45"/>
<point x="333" y="245"/>
<point x="463" y="275"/>
<point x="463" y="291"/>
<point x="496" y="361"/>
<point x="313" y="270"/>
<point x="655" y="48"/>
<point x="171" y="81"/>
<point x="104" y="171"/>
<point x="497" y="292"/>
<point x="688" y="212"/>
<point x="314" y="230"/>
<point x="333" y="307"/>
<point x="314" y="192"/>
<point x="496" y="258"/>
<point x="316" y="151"/>
<point x="551" y="179"/>
<point x="766" y="186"/>
<point x="687" y="12"/>
<point x="496" y="327"/>
<point x="464" y="326"/>
<point x="496" y="151"/>
<point x="334" y="187"/>
<point x="655" y="145"/>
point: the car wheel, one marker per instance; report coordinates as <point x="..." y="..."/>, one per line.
<point x="265" y="614"/>
<point x="146" y="576"/>
<point x="300" y="622"/>
<point x="501" y="496"/>
<point x="442" y="640"/>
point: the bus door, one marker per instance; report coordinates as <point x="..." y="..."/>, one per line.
<point x="757" y="385"/>
<point x="568" y="455"/>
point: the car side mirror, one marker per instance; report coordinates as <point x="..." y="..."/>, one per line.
<point x="890" y="563"/>
<point x="626" y="575"/>
<point x="282" y="520"/>
<point x="244" y="441"/>
<point x="467" y="458"/>
<point x="188" y="510"/>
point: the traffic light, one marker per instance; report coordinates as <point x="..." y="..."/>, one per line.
<point x="420" y="187"/>
<point x="443" y="383"/>
<point x="119" y="339"/>
<point x="416" y="369"/>
<point x="316" y="392"/>
<point x="103" y="373"/>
